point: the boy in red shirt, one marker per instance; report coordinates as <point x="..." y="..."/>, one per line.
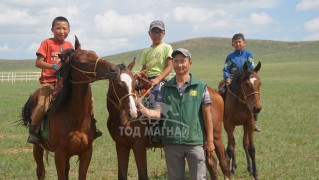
<point x="49" y="61"/>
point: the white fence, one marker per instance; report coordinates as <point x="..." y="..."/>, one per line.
<point x="12" y="77"/>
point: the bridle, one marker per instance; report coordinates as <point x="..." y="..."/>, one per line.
<point x="118" y="98"/>
<point x="85" y="74"/>
<point x="245" y="96"/>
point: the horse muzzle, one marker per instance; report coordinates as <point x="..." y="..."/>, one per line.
<point x="112" y="72"/>
<point x="257" y="109"/>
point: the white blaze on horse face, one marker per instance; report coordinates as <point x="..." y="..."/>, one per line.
<point x="252" y="80"/>
<point x="128" y="81"/>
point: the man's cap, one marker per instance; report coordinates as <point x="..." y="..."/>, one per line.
<point x="158" y="24"/>
<point x="183" y="51"/>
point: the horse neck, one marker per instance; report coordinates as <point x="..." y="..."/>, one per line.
<point x="116" y="113"/>
<point x="80" y="99"/>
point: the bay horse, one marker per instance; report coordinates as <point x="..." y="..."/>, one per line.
<point x="241" y="102"/>
<point x="130" y="132"/>
<point x="121" y="105"/>
<point x="71" y="128"/>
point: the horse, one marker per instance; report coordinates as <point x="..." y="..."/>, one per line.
<point x="71" y="128"/>
<point x="217" y="110"/>
<point x="122" y="124"/>
<point x="121" y="105"/>
<point x="242" y="100"/>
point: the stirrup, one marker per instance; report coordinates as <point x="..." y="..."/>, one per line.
<point x="33" y="139"/>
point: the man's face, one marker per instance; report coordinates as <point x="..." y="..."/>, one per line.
<point x="181" y="64"/>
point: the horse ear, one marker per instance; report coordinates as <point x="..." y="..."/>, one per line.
<point x="131" y="65"/>
<point x="63" y="57"/>
<point x="77" y="44"/>
<point x="245" y="67"/>
<point x="257" y="68"/>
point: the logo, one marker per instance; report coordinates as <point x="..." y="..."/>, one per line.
<point x="165" y="126"/>
<point x="193" y="93"/>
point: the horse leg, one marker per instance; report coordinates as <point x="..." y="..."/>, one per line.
<point x="212" y="167"/>
<point x="141" y="160"/>
<point x="67" y="168"/>
<point x="221" y="154"/>
<point x="231" y="148"/>
<point x="245" y="146"/>
<point x="251" y="151"/>
<point x="61" y="161"/>
<point x="38" y="157"/>
<point x="123" y="153"/>
<point x="85" y="159"/>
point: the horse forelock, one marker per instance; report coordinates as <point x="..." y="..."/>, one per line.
<point x="121" y="66"/>
<point x="128" y="80"/>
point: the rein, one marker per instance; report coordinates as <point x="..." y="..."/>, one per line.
<point x="245" y="96"/>
<point x="86" y="72"/>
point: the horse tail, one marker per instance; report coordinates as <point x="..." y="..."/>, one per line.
<point x="27" y="111"/>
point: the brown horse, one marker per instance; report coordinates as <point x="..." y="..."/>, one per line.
<point x="217" y="110"/>
<point x="241" y="102"/>
<point x="126" y="131"/>
<point x="71" y="127"/>
<point x="130" y="133"/>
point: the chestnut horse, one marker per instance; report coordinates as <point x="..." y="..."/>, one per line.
<point x="71" y="127"/>
<point x="121" y="105"/>
<point x="131" y="133"/>
<point x="241" y="102"/>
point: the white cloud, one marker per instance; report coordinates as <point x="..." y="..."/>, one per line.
<point x="113" y="24"/>
<point x="312" y="37"/>
<point x="308" y="5"/>
<point x="32" y="48"/>
<point x="260" y="19"/>
<point x="312" y="25"/>
<point x="10" y="16"/>
<point x="4" y="47"/>
<point x="200" y="18"/>
<point x="104" y="46"/>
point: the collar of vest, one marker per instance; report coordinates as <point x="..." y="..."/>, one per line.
<point x="172" y="82"/>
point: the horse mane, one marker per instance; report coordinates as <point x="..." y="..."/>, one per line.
<point x="121" y="66"/>
<point x="63" y="75"/>
<point x="239" y="77"/>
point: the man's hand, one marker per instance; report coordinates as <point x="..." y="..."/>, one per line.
<point x="228" y="81"/>
<point x="209" y="148"/>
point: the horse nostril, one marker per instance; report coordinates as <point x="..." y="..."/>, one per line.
<point x="257" y="110"/>
<point x="114" y="69"/>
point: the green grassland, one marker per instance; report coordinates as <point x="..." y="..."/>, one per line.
<point x="287" y="147"/>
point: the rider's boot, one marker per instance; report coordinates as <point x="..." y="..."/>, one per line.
<point x="33" y="134"/>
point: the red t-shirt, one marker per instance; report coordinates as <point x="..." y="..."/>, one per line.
<point x="49" y="49"/>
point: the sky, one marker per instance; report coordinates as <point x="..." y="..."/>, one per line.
<point x="115" y="26"/>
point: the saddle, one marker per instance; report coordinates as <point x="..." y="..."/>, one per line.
<point x="154" y="126"/>
<point x="142" y="85"/>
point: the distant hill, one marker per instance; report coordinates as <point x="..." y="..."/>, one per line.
<point x="209" y="50"/>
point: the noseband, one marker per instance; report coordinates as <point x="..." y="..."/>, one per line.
<point x="86" y="72"/>
<point x="245" y="96"/>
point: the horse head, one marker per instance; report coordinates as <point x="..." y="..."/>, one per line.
<point x="251" y="87"/>
<point x="122" y="91"/>
<point x="84" y="66"/>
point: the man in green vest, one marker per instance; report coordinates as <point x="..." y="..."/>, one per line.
<point x="184" y="106"/>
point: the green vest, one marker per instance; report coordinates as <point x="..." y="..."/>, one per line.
<point x="183" y="121"/>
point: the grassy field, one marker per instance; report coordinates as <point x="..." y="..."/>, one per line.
<point x="287" y="147"/>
